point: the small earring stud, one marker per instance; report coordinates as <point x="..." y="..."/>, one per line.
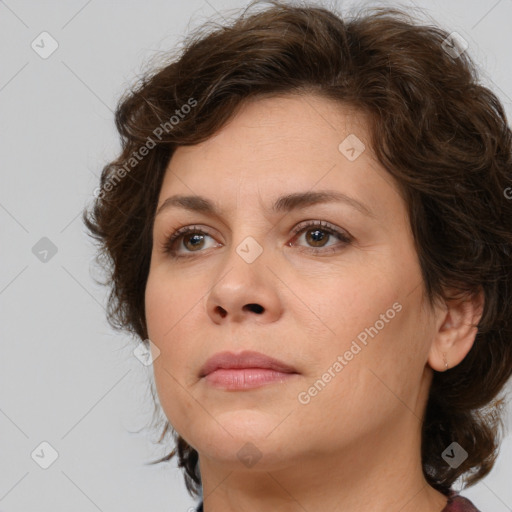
<point x="445" y="361"/>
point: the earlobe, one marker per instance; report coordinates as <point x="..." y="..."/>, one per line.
<point x="456" y="332"/>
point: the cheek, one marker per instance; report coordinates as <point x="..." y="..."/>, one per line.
<point x="167" y="314"/>
<point x="386" y="375"/>
<point x="363" y="307"/>
<point x="175" y="318"/>
<point x="168" y="301"/>
<point x="372" y="321"/>
<point x="176" y="401"/>
<point x="166" y="321"/>
<point x="362" y="385"/>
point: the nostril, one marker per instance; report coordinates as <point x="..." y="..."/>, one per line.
<point x="254" y="307"/>
<point x="221" y="311"/>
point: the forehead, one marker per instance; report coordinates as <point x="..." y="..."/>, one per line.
<point x="280" y="144"/>
<point x="290" y="124"/>
<point x="282" y="135"/>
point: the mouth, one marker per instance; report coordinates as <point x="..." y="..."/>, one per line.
<point x="246" y="378"/>
<point x="245" y="370"/>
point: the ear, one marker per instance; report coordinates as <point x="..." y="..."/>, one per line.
<point x="456" y="322"/>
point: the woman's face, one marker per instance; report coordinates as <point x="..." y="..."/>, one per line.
<point x="341" y="303"/>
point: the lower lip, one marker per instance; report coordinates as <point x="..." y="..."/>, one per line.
<point x="245" y="378"/>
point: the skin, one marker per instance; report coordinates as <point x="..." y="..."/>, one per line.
<point x="356" y="445"/>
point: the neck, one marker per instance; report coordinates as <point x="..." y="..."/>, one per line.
<point x="380" y="473"/>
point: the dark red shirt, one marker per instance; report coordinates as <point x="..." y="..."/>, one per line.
<point x="457" y="503"/>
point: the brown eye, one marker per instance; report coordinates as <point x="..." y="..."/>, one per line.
<point x="317" y="237"/>
<point x="193" y="241"/>
<point x="318" y="234"/>
<point x="190" y="238"/>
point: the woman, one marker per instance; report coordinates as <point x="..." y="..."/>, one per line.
<point x="309" y="228"/>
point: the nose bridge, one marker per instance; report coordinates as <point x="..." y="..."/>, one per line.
<point x="244" y="263"/>
<point x="249" y="231"/>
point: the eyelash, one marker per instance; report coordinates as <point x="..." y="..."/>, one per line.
<point x="168" y="246"/>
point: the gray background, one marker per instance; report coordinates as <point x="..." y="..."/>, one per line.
<point x="66" y="377"/>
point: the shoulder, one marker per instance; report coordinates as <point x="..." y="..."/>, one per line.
<point x="457" y="503"/>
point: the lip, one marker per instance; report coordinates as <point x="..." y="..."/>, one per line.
<point x="244" y="360"/>
<point x="245" y="378"/>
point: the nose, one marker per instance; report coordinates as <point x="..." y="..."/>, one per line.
<point x="245" y="290"/>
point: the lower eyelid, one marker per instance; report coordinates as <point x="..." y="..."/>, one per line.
<point x="343" y="240"/>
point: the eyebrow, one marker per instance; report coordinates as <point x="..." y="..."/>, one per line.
<point x="282" y="204"/>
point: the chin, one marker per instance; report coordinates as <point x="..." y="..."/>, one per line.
<point x="256" y="455"/>
<point x="231" y="431"/>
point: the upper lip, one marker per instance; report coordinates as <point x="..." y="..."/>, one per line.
<point x="245" y="359"/>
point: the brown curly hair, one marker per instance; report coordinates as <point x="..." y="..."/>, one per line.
<point x="442" y="135"/>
